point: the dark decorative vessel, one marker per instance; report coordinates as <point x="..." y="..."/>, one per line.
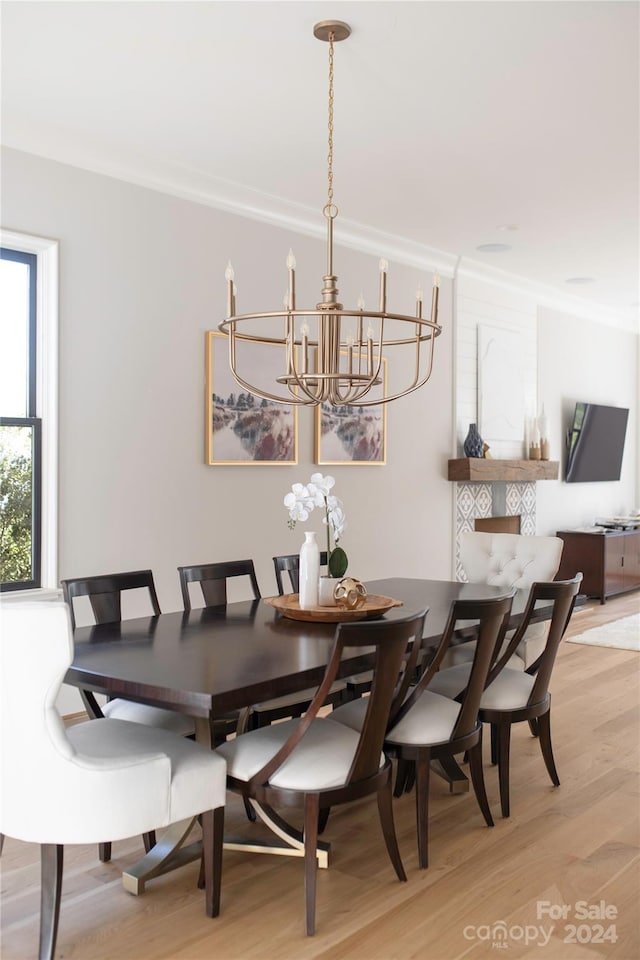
<point x="473" y="444"/>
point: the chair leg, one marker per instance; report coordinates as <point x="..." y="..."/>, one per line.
<point x="250" y="812"/>
<point x="544" y="731"/>
<point x="385" y="811"/>
<point x="51" y="860"/>
<point x="533" y="726"/>
<point x="323" y="819"/>
<point x="311" y="815"/>
<point x="402" y="772"/>
<point x="104" y="852"/>
<point x="212" y="839"/>
<point x="410" y="779"/>
<point x="477" y="779"/>
<point x="494" y="743"/>
<point x="504" y="742"/>
<point x="423" y="768"/>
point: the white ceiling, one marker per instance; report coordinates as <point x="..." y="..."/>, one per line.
<point x="453" y="121"/>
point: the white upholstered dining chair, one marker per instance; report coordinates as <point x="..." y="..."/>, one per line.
<point x="509" y="560"/>
<point x="99" y="778"/>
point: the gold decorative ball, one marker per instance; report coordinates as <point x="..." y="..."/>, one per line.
<point x="350" y="593"/>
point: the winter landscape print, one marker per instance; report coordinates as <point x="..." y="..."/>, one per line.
<point x="242" y="428"/>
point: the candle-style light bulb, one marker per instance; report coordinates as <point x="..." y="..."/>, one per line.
<point x="229" y="272"/>
<point x="285" y="300"/>
<point x="419" y="292"/>
<point x="291" y="261"/>
<point x="304" y="329"/>
<point x="384" y="265"/>
<point x="360" y="303"/>
<point x="350" y="340"/>
<point x="436" y="280"/>
<point x="370" y="332"/>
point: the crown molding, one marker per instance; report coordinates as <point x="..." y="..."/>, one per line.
<point x="549" y="297"/>
<point x="199" y="187"/>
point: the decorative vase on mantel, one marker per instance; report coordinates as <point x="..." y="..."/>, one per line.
<point x="473" y="445"/>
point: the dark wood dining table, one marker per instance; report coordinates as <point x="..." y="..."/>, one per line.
<point x="207" y="662"/>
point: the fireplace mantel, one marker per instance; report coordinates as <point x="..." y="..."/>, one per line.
<point x="479" y="470"/>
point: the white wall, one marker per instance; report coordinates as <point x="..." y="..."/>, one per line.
<point x="568" y="358"/>
<point x="480" y="303"/>
<point x="141" y="280"/>
<point x="579" y="359"/>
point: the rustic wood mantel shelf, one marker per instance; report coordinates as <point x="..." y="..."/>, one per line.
<point x="479" y="470"/>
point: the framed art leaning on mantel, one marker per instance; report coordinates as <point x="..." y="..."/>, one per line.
<point x="240" y="428"/>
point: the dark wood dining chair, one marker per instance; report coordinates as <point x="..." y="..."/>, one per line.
<point x="314" y="763"/>
<point x="104" y="593"/>
<point x="289" y="564"/>
<point x="426" y="726"/>
<point x="213" y="579"/>
<point x="512" y="695"/>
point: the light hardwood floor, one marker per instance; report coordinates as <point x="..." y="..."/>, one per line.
<point x="579" y="842"/>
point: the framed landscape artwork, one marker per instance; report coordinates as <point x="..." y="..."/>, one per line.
<point x="240" y="428"/>
<point x="355" y="435"/>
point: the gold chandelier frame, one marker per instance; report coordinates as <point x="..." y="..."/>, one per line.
<point x="339" y="362"/>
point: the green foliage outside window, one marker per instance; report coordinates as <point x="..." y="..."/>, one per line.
<point x="16" y="488"/>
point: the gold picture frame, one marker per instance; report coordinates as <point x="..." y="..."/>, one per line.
<point x="353" y="435"/>
<point x="240" y="428"/>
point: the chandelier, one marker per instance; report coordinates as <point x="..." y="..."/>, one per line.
<point x="331" y="354"/>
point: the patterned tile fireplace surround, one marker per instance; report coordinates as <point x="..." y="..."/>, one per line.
<point x="493" y="499"/>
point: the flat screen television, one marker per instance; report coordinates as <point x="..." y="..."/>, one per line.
<point x="596" y="443"/>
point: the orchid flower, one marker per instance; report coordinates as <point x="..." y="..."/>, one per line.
<point x="300" y="503"/>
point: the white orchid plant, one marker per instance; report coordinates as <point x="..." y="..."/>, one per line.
<point x="301" y="502"/>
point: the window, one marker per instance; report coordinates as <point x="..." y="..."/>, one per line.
<point x="28" y="412"/>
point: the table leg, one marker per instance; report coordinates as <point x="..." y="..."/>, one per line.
<point x="293" y="840"/>
<point x="168" y="853"/>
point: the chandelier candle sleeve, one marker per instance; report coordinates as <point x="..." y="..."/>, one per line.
<point x="291" y="294"/>
<point x="384" y="266"/>
<point x="434" y="298"/>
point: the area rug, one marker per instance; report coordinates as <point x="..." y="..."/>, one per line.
<point x="623" y="634"/>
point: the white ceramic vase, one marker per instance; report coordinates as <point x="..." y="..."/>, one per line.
<point x="309" y="572"/>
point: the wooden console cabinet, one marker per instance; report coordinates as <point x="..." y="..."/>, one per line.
<point x="609" y="561"/>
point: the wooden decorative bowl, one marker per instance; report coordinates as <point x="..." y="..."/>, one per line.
<point x="374" y="606"/>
